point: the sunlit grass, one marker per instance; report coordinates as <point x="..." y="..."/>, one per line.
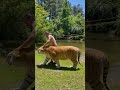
<point x="10" y="76"/>
<point x="48" y="79"/>
<point x="116" y="87"/>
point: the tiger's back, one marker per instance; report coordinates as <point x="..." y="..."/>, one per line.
<point x="64" y="52"/>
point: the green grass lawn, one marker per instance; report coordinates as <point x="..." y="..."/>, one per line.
<point x="113" y="87"/>
<point x="10" y="76"/>
<point x="65" y="79"/>
<point x="116" y="87"/>
<point x="46" y="79"/>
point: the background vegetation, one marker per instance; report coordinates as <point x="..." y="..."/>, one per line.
<point x="13" y="31"/>
<point x="103" y="16"/>
<point x="59" y="18"/>
<point x="13" y="28"/>
<point x="12" y="15"/>
<point x="103" y="33"/>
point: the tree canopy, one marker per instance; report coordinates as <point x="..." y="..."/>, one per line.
<point x="103" y="16"/>
<point x="12" y="13"/>
<point x="59" y="18"/>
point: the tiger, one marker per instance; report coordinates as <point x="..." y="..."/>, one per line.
<point x="26" y="53"/>
<point x="96" y="64"/>
<point x="56" y="53"/>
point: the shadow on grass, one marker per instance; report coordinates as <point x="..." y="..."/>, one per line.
<point x="53" y="67"/>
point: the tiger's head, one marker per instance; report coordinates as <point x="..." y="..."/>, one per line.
<point x="12" y="56"/>
<point x="42" y="49"/>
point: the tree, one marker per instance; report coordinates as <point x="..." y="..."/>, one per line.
<point x="12" y="15"/>
<point x="117" y="4"/>
<point x="100" y="10"/>
<point x="59" y="19"/>
<point x="59" y="7"/>
<point x="77" y="9"/>
<point x="66" y="12"/>
<point x="40" y="25"/>
<point x="77" y="24"/>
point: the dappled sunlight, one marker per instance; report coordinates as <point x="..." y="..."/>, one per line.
<point x="50" y="78"/>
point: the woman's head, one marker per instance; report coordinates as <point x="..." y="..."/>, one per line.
<point x="46" y="33"/>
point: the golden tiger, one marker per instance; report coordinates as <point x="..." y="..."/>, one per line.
<point x="25" y="53"/>
<point x="61" y="52"/>
<point x="96" y="64"/>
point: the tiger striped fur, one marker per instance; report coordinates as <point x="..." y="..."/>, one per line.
<point x="57" y="53"/>
<point x="96" y="64"/>
<point x="26" y="53"/>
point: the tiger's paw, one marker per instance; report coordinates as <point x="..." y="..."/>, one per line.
<point x="41" y="65"/>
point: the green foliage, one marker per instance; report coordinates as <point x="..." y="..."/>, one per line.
<point x="77" y="9"/>
<point x="76" y="24"/>
<point x="58" y="19"/>
<point x="117" y="3"/>
<point x="99" y="9"/>
<point x="66" y="9"/>
<point x="104" y="12"/>
<point x="66" y="12"/>
<point x="40" y="24"/>
<point x="12" y="14"/>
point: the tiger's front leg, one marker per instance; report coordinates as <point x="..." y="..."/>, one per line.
<point x="75" y="62"/>
<point x="45" y="61"/>
<point x="57" y="63"/>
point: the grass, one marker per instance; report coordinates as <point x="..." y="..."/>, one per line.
<point x="116" y="87"/>
<point x="46" y="78"/>
<point x="64" y="79"/>
<point x="10" y="76"/>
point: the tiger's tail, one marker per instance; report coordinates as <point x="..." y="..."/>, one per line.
<point x="79" y="53"/>
<point x="105" y="73"/>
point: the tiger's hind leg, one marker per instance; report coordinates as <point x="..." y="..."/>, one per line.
<point x="57" y="63"/>
<point x="96" y="85"/>
<point x="75" y="62"/>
